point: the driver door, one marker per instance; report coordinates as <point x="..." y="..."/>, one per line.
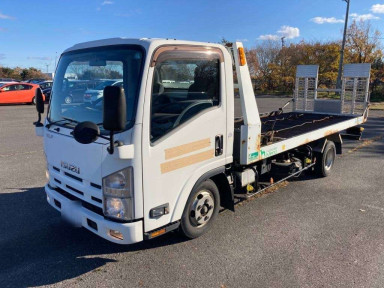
<point x="184" y="126"/>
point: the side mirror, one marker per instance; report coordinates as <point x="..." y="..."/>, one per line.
<point x="114" y="112"/>
<point x="39" y="106"/>
<point x="39" y="101"/>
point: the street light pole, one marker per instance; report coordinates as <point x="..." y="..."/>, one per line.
<point x="338" y="82"/>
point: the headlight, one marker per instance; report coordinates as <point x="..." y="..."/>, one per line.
<point x="118" y="194"/>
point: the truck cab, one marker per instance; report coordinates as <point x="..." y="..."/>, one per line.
<point x="179" y="96"/>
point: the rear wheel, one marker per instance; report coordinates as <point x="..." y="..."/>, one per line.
<point x="325" y="160"/>
<point x="33" y="101"/>
<point x="201" y="210"/>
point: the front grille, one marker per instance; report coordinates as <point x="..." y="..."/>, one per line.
<point x="74" y="190"/>
<point x="73" y="176"/>
<point x="62" y="181"/>
<point x="96" y="186"/>
<point x="66" y="194"/>
<point x="96" y="199"/>
<point x="93" y="208"/>
<point x="85" y="204"/>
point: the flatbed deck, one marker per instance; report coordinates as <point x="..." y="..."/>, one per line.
<point x="293" y="124"/>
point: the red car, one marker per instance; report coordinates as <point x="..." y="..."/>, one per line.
<point x="18" y="93"/>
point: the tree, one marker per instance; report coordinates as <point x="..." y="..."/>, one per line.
<point x="28" y="73"/>
<point x="253" y="62"/>
<point x="362" y="43"/>
<point x="267" y="53"/>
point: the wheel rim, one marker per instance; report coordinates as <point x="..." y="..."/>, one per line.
<point x="34" y="100"/>
<point x="329" y="159"/>
<point x="67" y="100"/>
<point x="202" y="208"/>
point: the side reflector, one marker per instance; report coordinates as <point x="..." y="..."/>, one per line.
<point x="242" y="58"/>
<point x="157" y="233"/>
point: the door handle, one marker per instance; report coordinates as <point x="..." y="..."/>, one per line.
<point x="218" y="145"/>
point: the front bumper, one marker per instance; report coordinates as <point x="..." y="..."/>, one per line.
<point x="73" y="210"/>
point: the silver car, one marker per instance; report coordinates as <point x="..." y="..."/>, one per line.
<point x="91" y="95"/>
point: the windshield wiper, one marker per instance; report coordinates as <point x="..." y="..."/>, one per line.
<point x="70" y="119"/>
<point x="65" y="119"/>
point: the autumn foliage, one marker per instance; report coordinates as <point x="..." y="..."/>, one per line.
<point x="273" y="67"/>
<point x="21" y="73"/>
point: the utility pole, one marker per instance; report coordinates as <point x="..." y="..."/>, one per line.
<point x="338" y="82"/>
<point x="282" y="53"/>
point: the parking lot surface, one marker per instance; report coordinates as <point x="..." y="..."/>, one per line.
<point x="312" y="233"/>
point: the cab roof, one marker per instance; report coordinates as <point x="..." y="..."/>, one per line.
<point x="145" y="42"/>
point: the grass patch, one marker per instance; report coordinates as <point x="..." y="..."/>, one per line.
<point x="377" y="106"/>
<point x="273" y="93"/>
<point x="328" y="95"/>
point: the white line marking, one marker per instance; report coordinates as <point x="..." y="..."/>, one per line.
<point x="373" y="207"/>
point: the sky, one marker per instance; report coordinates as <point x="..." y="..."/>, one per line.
<point x="35" y="33"/>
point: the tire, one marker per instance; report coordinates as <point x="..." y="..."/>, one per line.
<point x="33" y="101"/>
<point x="68" y="100"/>
<point x="201" y="210"/>
<point x="325" y="160"/>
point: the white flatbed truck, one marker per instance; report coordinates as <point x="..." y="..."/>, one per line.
<point x="163" y="151"/>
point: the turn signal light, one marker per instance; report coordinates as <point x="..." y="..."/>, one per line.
<point x="116" y="234"/>
<point x="242" y="58"/>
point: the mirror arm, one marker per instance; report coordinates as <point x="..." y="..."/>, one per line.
<point x="111" y="147"/>
<point x="38" y="122"/>
<point x="112" y="142"/>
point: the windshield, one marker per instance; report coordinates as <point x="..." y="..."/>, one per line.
<point x="94" y="69"/>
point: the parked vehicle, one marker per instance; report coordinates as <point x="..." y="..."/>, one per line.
<point x="46" y="88"/>
<point x="91" y="95"/>
<point x="5" y="83"/>
<point x="18" y="93"/>
<point x="76" y="89"/>
<point x="35" y="80"/>
<point x="145" y="160"/>
<point x="7" y="80"/>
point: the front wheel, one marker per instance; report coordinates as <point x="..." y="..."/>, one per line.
<point x="68" y="100"/>
<point x="201" y="209"/>
<point x="326" y="160"/>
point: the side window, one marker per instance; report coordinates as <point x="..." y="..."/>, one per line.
<point x="9" y="88"/>
<point x="185" y="83"/>
<point x="25" y="87"/>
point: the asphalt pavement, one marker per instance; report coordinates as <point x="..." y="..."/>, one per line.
<point x="314" y="232"/>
